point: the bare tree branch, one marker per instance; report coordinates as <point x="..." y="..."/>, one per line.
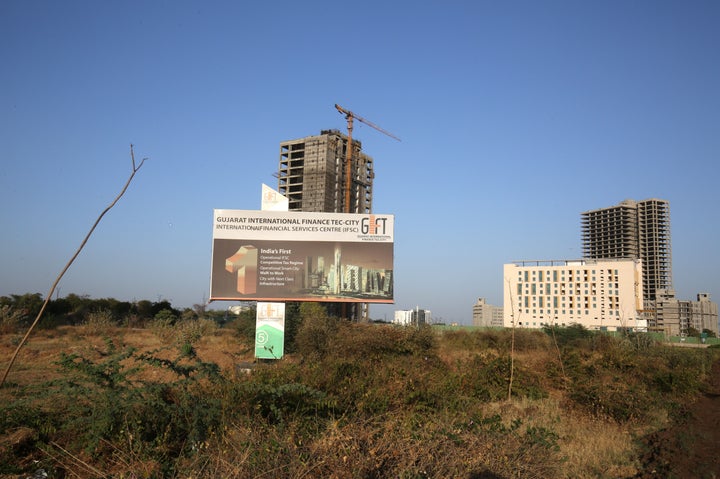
<point x="512" y="341"/>
<point x="67" y="266"/>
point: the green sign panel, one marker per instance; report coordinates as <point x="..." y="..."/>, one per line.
<point x="270" y="330"/>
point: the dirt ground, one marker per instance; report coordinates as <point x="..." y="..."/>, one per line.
<point x="691" y="448"/>
<point x="37" y="360"/>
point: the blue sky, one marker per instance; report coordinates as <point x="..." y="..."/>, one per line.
<point x="515" y="117"/>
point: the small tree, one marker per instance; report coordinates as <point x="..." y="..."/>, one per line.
<point x="135" y="169"/>
<point x="692" y="332"/>
<point x="316" y="331"/>
<point x="166" y="316"/>
<point x="10" y="319"/>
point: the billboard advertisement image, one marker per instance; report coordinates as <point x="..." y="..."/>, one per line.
<point x="301" y="256"/>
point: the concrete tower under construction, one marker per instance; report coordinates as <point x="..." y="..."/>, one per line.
<point x="633" y="229"/>
<point x="312" y="174"/>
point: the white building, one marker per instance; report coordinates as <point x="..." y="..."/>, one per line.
<point x="487" y="315"/>
<point x="602" y="294"/>
<point x="415" y="317"/>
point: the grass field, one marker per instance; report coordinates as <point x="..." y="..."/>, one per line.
<point x="349" y="401"/>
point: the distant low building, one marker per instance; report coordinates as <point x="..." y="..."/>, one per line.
<point x="675" y="317"/>
<point x="487" y="315"/>
<point x="598" y="294"/>
<point x="239" y="308"/>
<point x="705" y="314"/>
<point x="413" y="317"/>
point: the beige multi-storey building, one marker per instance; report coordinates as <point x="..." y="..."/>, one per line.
<point x="637" y="230"/>
<point x="313" y="176"/>
<point x="597" y="294"/>
<point x="487" y="315"/>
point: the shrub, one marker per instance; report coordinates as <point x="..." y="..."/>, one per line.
<point x="181" y="332"/>
<point x="488" y="379"/>
<point x="191" y="331"/>
<point x="277" y="403"/>
<point x="10" y="319"/>
<point x="159" y="421"/>
<point x="375" y="341"/>
<point x="493" y="339"/>
<point x="613" y="399"/>
<point x="244" y="325"/>
<point x="500" y="340"/>
<point x="530" y="340"/>
<point x="679" y="371"/>
<point x="316" y="332"/>
<point x="575" y="334"/>
<point x="98" y="322"/>
<point x="165" y="316"/>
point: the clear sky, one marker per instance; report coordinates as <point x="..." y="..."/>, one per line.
<point x="515" y="117"/>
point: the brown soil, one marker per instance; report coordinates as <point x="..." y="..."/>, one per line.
<point x="690" y="449"/>
<point x="37" y="360"/>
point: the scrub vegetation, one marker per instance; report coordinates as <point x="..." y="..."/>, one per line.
<point x="148" y="392"/>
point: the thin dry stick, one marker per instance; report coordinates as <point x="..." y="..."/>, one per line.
<point x="67" y="266"/>
<point x="557" y="348"/>
<point x="512" y="342"/>
<point x="76" y="460"/>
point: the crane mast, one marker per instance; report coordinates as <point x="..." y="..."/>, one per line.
<point x="350" y="116"/>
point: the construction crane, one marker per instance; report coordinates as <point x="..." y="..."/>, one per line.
<point x="350" y="116"/>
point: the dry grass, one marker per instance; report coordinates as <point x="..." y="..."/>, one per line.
<point x="408" y="415"/>
<point x="591" y="448"/>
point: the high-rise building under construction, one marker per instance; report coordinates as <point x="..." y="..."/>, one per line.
<point x="633" y="229"/>
<point x="313" y="175"/>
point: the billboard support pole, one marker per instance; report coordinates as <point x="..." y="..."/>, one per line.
<point x="270" y="317"/>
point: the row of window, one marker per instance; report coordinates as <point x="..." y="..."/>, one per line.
<point x="577" y="297"/>
<point x="554" y="274"/>
<point x="570" y="312"/>
<point x="563" y="291"/>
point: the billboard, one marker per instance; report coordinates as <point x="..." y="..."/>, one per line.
<point x="301" y="256"/>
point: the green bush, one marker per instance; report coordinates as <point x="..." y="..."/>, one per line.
<point x="279" y="403"/>
<point x="679" y="371"/>
<point x="190" y="331"/>
<point x="244" y="325"/>
<point x="574" y="334"/>
<point x="159" y="421"/>
<point x="488" y="379"/>
<point x="530" y="340"/>
<point x="316" y="332"/>
<point x="375" y="341"/>
<point x="10" y="319"/>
